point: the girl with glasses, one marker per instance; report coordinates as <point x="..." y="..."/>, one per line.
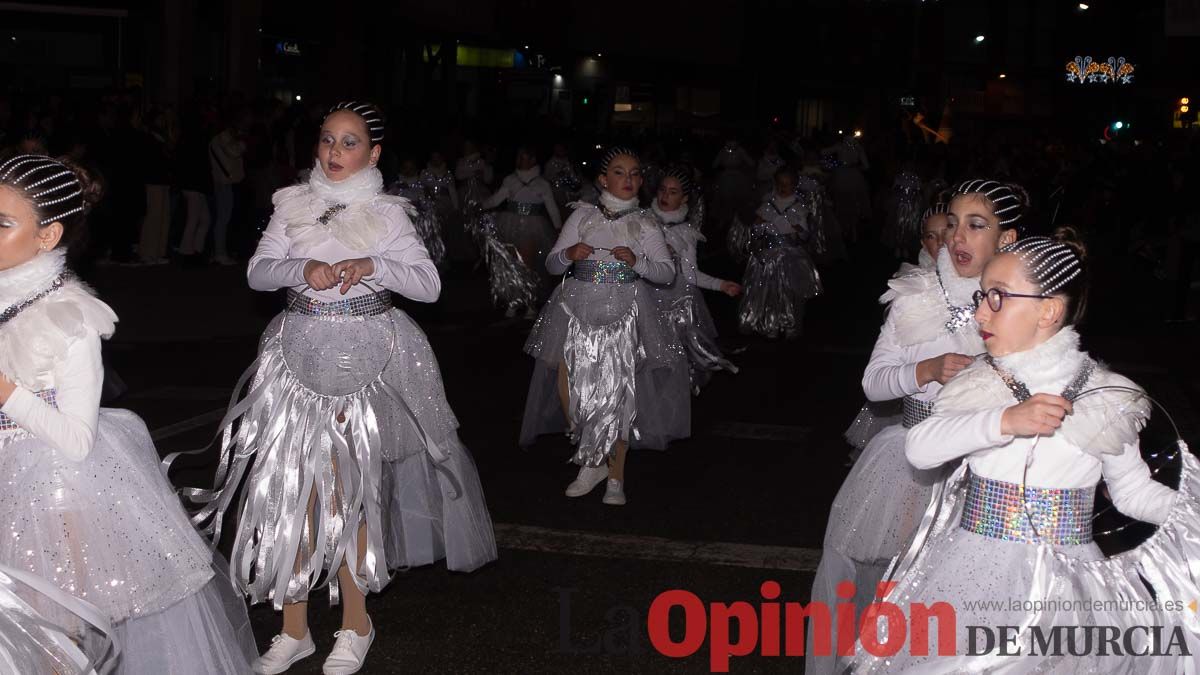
<point x="1020" y="510"/>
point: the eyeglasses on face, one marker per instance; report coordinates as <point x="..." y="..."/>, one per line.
<point x="995" y="297"/>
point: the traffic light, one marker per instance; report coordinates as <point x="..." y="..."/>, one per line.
<point x="1183" y="116"/>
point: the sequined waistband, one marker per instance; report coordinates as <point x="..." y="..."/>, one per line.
<point x="526" y="209"/>
<point x="48" y="395"/>
<point x="915" y="411"/>
<point x="1060" y="516"/>
<point x="603" y="272"/>
<point x="363" y="305"/>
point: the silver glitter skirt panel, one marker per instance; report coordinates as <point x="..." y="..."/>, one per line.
<point x="532" y="231"/>
<point x="605" y="332"/>
<point x="683" y="307"/>
<point x="110" y="530"/>
<point x="393" y="463"/>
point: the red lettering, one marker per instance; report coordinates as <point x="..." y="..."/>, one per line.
<point x="694" y="624"/>
<point x="947" y="622"/>
<point x="770" y="619"/>
<point x="719" y="648"/>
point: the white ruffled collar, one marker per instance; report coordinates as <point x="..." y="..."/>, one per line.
<point x="960" y="290"/>
<point x="924" y="259"/>
<point x="360" y="188"/>
<point x="526" y="175"/>
<point x="670" y="217"/>
<point x="609" y="201"/>
<point x="27" y="279"/>
<point x="1049" y="366"/>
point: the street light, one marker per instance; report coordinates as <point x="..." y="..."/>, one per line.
<point x="1002" y="76"/>
<point x="297" y="97"/>
<point x="979" y="39"/>
<point x="1083" y="7"/>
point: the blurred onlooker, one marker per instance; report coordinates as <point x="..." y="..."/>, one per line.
<point x="157" y="141"/>
<point x="226" y="152"/>
<point x="193" y="173"/>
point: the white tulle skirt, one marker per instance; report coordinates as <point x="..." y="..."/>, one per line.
<point x="110" y="530"/>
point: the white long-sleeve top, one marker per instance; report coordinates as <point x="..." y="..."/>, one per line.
<point x="375" y="226"/>
<point x="787" y="214"/>
<point x="1098" y="440"/>
<point x="914" y="330"/>
<point x="635" y="230"/>
<point x="473" y="166"/>
<point x="682" y="237"/>
<point x="526" y="187"/>
<point x="53" y="344"/>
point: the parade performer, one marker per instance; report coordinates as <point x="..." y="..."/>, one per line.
<point x="86" y="506"/>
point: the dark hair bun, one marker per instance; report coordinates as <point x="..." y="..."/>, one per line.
<point x="92" y="188"/>
<point x="1069" y="236"/>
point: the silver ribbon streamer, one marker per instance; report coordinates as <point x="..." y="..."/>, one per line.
<point x="702" y="354"/>
<point x="46" y="635"/>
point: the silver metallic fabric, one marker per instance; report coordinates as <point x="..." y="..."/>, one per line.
<point x="601" y="363"/>
<point x="915" y="411"/>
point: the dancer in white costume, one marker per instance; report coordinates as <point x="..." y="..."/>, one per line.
<point x="681" y="301"/>
<point x="348" y="447"/>
<point x="780" y="274"/>
<point x="1033" y="427"/>
<point x="86" y="506"/>
<point x="876" y="416"/>
<point x="531" y="219"/>
<point x="928" y="337"/>
<point x="609" y="369"/>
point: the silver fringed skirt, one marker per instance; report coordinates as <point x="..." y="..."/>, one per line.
<point x="110" y="531"/>
<point x="627" y="371"/>
<point x="428" y="224"/>
<point x="684" y="309"/>
<point x="513" y="282"/>
<point x="345" y="411"/>
<point x="780" y="278"/>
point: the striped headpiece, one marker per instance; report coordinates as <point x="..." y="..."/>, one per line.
<point x="1008" y="200"/>
<point x="370" y="114"/>
<point x="614" y="152"/>
<point x="1052" y="264"/>
<point x="51" y="185"/>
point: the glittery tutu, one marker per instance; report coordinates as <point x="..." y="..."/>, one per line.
<point x="661" y="387"/>
<point x="881" y="501"/>
<point x="110" y="531"/>
<point x="392" y="462"/>
<point x="778" y="281"/>
<point x="875" y="416"/>
<point x="996" y="582"/>
<point x="533" y="232"/>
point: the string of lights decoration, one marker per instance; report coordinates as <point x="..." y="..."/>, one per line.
<point x="1116" y="70"/>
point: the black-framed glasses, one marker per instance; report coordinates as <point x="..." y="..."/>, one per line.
<point x="995" y="297"/>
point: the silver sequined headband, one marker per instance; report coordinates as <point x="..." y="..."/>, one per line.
<point x="1003" y="197"/>
<point x="49" y="184"/>
<point x="937" y="209"/>
<point x="368" y="112"/>
<point x="613" y="153"/>
<point x="1051" y="263"/>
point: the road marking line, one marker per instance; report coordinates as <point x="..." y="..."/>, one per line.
<point x="626" y="546"/>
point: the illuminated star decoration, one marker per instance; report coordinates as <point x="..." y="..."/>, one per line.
<point x="1115" y="70"/>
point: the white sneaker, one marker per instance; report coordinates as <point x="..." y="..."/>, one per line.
<point x="587" y="480"/>
<point x="614" y="492"/>
<point x="285" y="650"/>
<point x="348" y="653"/>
